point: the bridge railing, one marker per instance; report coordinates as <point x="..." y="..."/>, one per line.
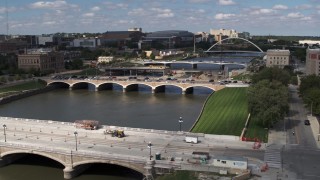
<point x="39" y="121"/>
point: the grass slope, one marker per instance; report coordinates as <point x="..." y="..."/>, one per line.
<point x="225" y="112"/>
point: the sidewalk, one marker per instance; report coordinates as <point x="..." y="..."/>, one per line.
<point x="314" y="124"/>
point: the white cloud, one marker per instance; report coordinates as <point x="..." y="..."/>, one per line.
<point x="163" y="13"/>
<point x="198" y="1"/>
<point x="304" y="7"/>
<point x="226" y="2"/>
<point x="48" y="4"/>
<point x="111" y="5"/>
<point x="280" y="7"/>
<point x="137" y="12"/>
<point x="95" y="8"/>
<point x="262" y="11"/>
<point x="295" y="15"/>
<point x="49" y="23"/>
<point x="222" y="16"/>
<point x="88" y="15"/>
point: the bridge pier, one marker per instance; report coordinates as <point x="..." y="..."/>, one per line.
<point x="70" y="172"/>
<point x="149" y="169"/>
<point x="188" y="91"/>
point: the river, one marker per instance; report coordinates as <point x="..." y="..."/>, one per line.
<point x="133" y="109"/>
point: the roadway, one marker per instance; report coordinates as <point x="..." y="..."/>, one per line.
<point x="301" y="154"/>
<point x="60" y="136"/>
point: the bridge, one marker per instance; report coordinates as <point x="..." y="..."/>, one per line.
<point x="77" y="149"/>
<point x="133" y="85"/>
<point x="193" y="63"/>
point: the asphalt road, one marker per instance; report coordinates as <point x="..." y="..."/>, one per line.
<point x="301" y="154"/>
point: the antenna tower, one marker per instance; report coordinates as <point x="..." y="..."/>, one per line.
<point x="7" y="18"/>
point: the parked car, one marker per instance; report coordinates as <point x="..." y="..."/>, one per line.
<point x="306" y="122"/>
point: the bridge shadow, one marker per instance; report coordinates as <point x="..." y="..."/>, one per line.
<point x="37" y="160"/>
<point x="110" y="171"/>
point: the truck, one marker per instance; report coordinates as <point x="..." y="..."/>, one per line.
<point x="191" y="139"/>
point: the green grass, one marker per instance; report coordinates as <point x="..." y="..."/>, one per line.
<point x="21" y="87"/>
<point x="256" y="131"/>
<point x="225" y="113"/>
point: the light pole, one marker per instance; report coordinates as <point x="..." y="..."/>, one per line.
<point x="149" y="146"/>
<point x="4" y="132"/>
<point x="75" y="136"/>
<point x="311" y="107"/>
<point x="180" y="122"/>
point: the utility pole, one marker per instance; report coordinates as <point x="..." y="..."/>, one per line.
<point x="7" y="19"/>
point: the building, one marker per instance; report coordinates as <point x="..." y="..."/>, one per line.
<point x="105" y="59"/>
<point x="278" y="58"/>
<point x="44" y="60"/>
<point x="135" y="29"/>
<point x="220" y="34"/>
<point x="230" y="162"/>
<point x="86" y="43"/>
<point x="309" y="42"/>
<point x="169" y="39"/>
<point x="120" y="38"/>
<point x="313" y="61"/>
<point x="244" y="35"/>
<point x="45" y="40"/>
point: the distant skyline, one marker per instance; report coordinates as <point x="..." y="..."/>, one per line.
<point x="259" y="17"/>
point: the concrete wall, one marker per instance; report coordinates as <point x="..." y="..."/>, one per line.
<point x="24" y="94"/>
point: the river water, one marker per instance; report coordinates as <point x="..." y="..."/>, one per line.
<point x="133" y="109"/>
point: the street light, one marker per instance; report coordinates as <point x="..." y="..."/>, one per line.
<point x="149" y="146"/>
<point x="180" y="121"/>
<point x="311" y="107"/>
<point x="4" y="132"/>
<point x="75" y="136"/>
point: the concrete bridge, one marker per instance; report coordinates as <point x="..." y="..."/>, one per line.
<point x="133" y="85"/>
<point x="77" y="149"/>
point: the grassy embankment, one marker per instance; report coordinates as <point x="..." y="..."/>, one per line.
<point x="226" y="112"/>
<point x="17" y="88"/>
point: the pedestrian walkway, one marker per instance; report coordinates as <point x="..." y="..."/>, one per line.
<point x="272" y="156"/>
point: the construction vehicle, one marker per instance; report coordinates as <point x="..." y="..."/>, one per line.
<point x="87" y="124"/>
<point x="118" y="133"/>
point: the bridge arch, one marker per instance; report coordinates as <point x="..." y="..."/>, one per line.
<point x="161" y="87"/>
<point x="190" y="88"/>
<point x="108" y="85"/>
<point x="60" y="84"/>
<point x="16" y="152"/>
<point x="138" y="168"/>
<point x="135" y="86"/>
<point x="235" y="38"/>
<point x="82" y="84"/>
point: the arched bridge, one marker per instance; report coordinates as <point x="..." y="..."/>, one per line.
<point x="76" y="148"/>
<point x="234" y="38"/>
<point x="97" y="85"/>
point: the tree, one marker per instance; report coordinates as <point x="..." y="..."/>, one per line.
<point x="268" y="102"/>
<point x="272" y="74"/>
<point x="152" y="56"/>
<point x="310" y="91"/>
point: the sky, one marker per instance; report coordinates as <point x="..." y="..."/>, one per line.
<point x="259" y="17"/>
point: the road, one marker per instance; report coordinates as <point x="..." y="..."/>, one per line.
<point x="60" y="136"/>
<point x="301" y="154"/>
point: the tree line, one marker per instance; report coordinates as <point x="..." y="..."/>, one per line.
<point x="268" y="96"/>
<point x="310" y="91"/>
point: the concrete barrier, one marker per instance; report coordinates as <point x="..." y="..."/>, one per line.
<point x="222" y="137"/>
